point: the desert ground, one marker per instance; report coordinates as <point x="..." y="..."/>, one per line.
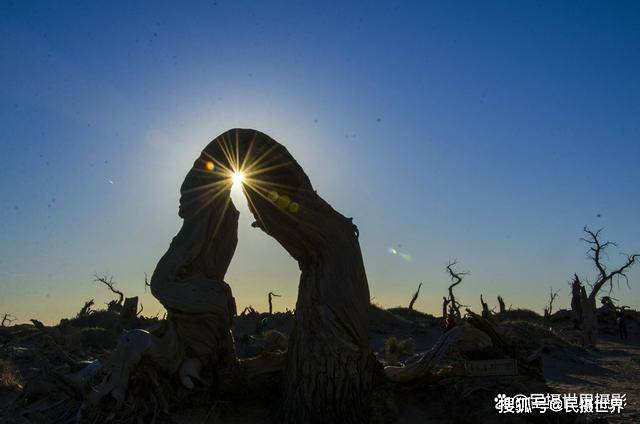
<point x="39" y="362"/>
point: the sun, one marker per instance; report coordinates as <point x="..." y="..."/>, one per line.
<point x="237" y="178"/>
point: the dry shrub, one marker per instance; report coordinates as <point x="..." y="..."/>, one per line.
<point x="531" y="336"/>
<point x="394" y="348"/>
<point x="521" y="314"/>
<point x="9" y="378"/>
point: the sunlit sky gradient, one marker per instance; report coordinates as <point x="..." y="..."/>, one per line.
<point x="490" y="132"/>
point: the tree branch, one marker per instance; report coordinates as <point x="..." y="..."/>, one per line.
<point x="596" y="251"/>
<point x="8" y="318"/>
<point x="108" y="281"/>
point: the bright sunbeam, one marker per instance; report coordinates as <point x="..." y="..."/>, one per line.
<point x="238" y="179"/>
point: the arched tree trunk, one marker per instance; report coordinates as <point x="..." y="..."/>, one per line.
<point x="329" y="369"/>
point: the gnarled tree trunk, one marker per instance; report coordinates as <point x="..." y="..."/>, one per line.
<point x="576" y="304"/>
<point x="589" y="319"/>
<point x="329" y="369"/>
<point x="189" y="282"/>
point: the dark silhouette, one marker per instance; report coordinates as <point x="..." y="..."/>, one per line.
<point x="586" y="312"/>
<point x="415" y="297"/>
<point x="456" y="278"/>
<point x="486" y="312"/>
<point x="552" y="296"/>
<point x="622" y="324"/>
<point x="271" y="296"/>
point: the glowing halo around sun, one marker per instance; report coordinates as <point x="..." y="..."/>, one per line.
<point x="237" y="179"/>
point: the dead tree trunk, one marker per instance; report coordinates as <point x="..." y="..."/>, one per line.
<point x="189" y="282"/>
<point x="445" y="308"/>
<point x="552" y="296"/>
<point x="486" y="313"/>
<point x="589" y="325"/>
<point x="456" y="278"/>
<point x="414" y="297"/>
<point x="576" y="304"/>
<point x="597" y="250"/>
<point x="501" y="307"/>
<point x="128" y="318"/>
<point x="271" y="296"/>
<point x="329" y="369"/>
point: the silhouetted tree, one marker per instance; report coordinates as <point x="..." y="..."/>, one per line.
<point x="456" y="278"/>
<point x="108" y="281"/>
<point x="7" y="319"/>
<point x="583" y="305"/>
<point x="414" y="297"/>
<point x="271" y="296"/>
<point x="548" y="310"/>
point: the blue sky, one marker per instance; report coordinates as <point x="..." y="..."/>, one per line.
<point x="490" y="132"/>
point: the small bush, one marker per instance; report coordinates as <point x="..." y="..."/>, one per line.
<point x="531" y="336"/>
<point x="9" y="379"/>
<point x="521" y="314"/>
<point x="394" y="348"/>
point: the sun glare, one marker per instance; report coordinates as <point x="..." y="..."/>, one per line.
<point x="237" y="178"/>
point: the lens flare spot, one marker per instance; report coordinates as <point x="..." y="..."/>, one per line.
<point x="294" y="207"/>
<point x="209" y="165"/>
<point x="283" y="201"/>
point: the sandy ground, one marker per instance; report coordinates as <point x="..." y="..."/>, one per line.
<point x="613" y="368"/>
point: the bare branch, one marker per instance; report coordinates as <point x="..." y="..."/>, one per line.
<point x="146" y="282"/>
<point x="108" y="281"/>
<point x="596" y="252"/>
<point x="552" y="296"/>
<point x="7" y="319"/>
<point x="456" y="278"/>
<point x="271" y="296"/>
